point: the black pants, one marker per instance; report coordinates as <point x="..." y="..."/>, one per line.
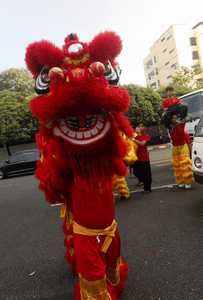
<point x="142" y="170"/>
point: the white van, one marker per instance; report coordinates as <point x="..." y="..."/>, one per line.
<point x="194" y="102"/>
<point x="197" y="153"/>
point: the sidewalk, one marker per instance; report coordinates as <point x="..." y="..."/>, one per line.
<point x="160" y="154"/>
<point x="159" y="147"/>
<point x="157" y="152"/>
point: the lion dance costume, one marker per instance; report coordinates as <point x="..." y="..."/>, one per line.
<point x="80" y="111"/>
<point x="182" y="164"/>
<point x="119" y="182"/>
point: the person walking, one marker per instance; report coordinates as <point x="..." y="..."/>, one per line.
<point x="142" y="167"/>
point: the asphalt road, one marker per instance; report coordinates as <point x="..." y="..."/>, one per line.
<point x="162" y="240"/>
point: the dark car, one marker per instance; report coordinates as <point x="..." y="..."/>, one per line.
<point x="22" y="162"/>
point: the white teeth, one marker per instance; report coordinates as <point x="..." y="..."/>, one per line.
<point x="79" y="135"/>
<point x="75" y="141"/>
<point x="57" y="132"/>
<point x="87" y="134"/>
<point x="66" y="130"/>
<point x="71" y="133"/>
<point x="100" y="125"/>
<point x="94" y="131"/>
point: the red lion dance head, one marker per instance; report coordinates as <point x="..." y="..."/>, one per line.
<point x="79" y="105"/>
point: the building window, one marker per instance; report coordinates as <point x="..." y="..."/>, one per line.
<point x="167" y="63"/>
<point x="164" y="50"/>
<point x="195" y="55"/>
<point x="149" y="63"/>
<point x="169" y="77"/>
<point x="172" y="50"/>
<point x="159" y="83"/>
<point x="163" y="39"/>
<point x="174" y="66"/>
<point x="154" y="59"/>
<point x="151" y="74"/>
<point x="197" y="69"/>
<point x="153" y="85"/>
<point x="168" y="38"/>
<point x="193" y="41"/>
<point x="157" y="71"/>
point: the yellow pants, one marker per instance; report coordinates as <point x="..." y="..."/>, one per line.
<point x="182" y="165"/>
<point x="121" y="186"/>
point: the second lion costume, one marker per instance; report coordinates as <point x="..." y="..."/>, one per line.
<point x="174" y="118"/>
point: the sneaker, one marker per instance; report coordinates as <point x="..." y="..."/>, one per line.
<point x="187" y="186"/>
<point x="139" y="184"/>
<point x="181" y="185"/>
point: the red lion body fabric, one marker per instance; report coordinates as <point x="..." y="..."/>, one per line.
<point x="80" y="111"/>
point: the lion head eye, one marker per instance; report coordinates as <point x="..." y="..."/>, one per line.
<point x="75" y="48"/>
<point x="42" y="82"/>
<point x="112" y="73"/>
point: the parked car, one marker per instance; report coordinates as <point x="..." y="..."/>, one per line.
<point x="197" y="153"/>
<point x="22" y="162"/>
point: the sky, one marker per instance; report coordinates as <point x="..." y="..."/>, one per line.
<point x="138" y="22"/>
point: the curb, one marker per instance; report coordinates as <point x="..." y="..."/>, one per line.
<point x="159" y="147"/>
<point x="161" y="162"/>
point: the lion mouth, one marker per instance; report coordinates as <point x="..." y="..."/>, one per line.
<point x="82" y="130"/>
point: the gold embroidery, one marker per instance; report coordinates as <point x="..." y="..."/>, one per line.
<point x="77" y="61"/>
<point x="113" y="274"/>
<point x="93" y="290"/>
<point x="41" y="155"/>
<point x="108" y="231"/>
<point x="63" y="211"/>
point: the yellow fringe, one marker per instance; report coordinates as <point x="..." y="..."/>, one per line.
<point x="182" y="165"/>
<point x="121" y="186"/>
<point x="131" y="155"/>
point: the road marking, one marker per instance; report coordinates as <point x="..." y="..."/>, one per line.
<point x="56" y="204"/>
<point x="161" y="162"/>
<point x="160" y="187"/>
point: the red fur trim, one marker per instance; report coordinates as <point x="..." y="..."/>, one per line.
<point x="80" y="98"/>
<point x="53" y="171"/>
<point x="105" y="46"/>
<point x="43" y="53"/>
<point x="69" y="41"/>
<point x="70" y="257"/>
<point x="77" y="292"/>
<point x="124" y="124"/>
<point x="111" y="292"/>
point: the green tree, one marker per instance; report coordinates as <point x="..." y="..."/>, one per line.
<point x="145" y="105"/>
<point x="18" y="81"/>
<point x="185" y="80"/>
<point x="28" y="123"/>
<point x="17" y="124"/>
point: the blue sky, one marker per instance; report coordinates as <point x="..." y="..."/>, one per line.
<point x="138" y="23"/>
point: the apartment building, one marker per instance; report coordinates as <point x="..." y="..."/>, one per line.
<point x="178" y="46"/>
<point x="196" y="42"/>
